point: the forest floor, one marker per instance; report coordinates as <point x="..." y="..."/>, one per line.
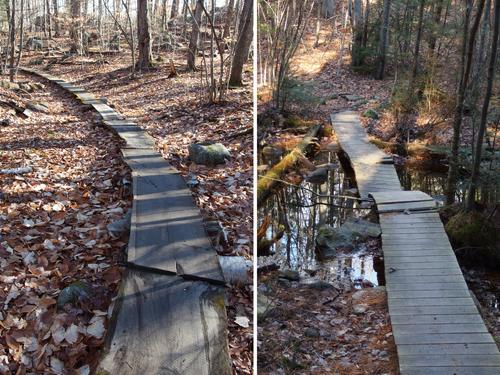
<point x="327" y="85"/>
<point x="53" y="233"/>
<point x="83" y="158"/>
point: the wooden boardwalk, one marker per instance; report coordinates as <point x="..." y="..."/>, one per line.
<point x="170" y="316"/>
<point x="436" y="325"/>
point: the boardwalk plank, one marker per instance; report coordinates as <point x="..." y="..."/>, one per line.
<point x="406" y="329"/>
<point x="166" y="325"/>
<point x="167" y="231"/>
<point x="436" y="319"/>
<point x="430" y="301"/>
<point x="442" y="338"/>
<point x="432" y="310"/>
<point x="440" y="349"/>
<point x="476" y="370"/>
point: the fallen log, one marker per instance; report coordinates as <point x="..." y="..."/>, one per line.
<point x="307" y="147"/>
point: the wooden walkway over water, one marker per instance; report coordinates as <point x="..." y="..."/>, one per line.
<point x="436" y="326"/>
<point x="170" y="316"/>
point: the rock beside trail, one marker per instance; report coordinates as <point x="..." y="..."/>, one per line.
<point x="38" y="107"/>
<point x="311" y="332"/>
<point x="351" y="97"/>
<point x="120" y="227"/>
<point x="319" y="176"/>
<point x="75" y="292"/>
<point x="209" y="154"/>
<point x="329" y="239"/>
<point x="290" y="275"/>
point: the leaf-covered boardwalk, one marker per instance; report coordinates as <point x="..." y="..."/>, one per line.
<point x="436" y="325"/>
<point x="170" y="316"/>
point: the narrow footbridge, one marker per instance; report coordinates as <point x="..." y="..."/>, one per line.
<point x="170" y="316"/>
<point x="436" y="325"/>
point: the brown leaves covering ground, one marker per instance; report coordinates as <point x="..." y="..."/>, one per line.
<point x="349" y="343"/>
<point x="53" y="232"/>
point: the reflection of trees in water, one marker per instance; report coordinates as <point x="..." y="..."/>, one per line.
<point x="294" y="209"/>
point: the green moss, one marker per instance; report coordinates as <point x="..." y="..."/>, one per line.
<point x="470" y="229"/>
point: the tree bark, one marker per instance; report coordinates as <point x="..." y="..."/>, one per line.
<point x="242" y="45"/>
<point x="174" y="10"/>
<point x="75" y="27"/>
<point x="437" y="22"/>
<point x="49" y="18"/>
<point x="21" y="37"/>
<point x="12" y="39"/>
<point x="195" y="32"/>
<point x="384" y="32"/>
<point x="56" y="16"/>
<point x="229" y="19"/>
<point x="144" y="60"/>
<point x="466" y="63"/>
<point x="484" y="113"/>
<point x="417" y="48"/>
<point x="357" y="46"/>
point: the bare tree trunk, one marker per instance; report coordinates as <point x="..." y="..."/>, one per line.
<point x="75" y="27"/>
<point x="174" y="10"/>
<point x="21" y="37"/>
<point x="49" y="18"/>
<point x="56" y="16"/>
<point x="12" y="39"/>
<point x="143" y="35"/>
<point x="365" y="23"/>
<point x="384" y="33"/>
<point x="437" y="22"/>
<point x="195" y="32"/>
<point x="417" y="48"/>
<point x="484" y="113"/>
<point x="318" y="22"/>
<point x="328" y="8"/>
<point x="467" y="52"/>
<point x="357" y="47"/>
<point x="243" y="45"/>
<point x="229" y="19"/>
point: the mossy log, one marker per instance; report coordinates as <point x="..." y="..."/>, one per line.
<point x="304" y="149"/>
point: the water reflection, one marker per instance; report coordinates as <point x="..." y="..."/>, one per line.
<point x="300" y="211"/>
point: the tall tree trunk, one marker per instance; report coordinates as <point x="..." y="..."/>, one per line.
<point x="357" y="46"/>
<point x="328" y="8"/>
<point x="195" y="32"/>
<point x="243" y="45"/>
<point x="229" y="19"/>
<point x="437" y="22"/>
<point x="143" y="36"/>
<point x="12" y="39"/>
<point x="75" y="27"/>
<point x="384" y="38"/>
<point x="365" y="23"/>
<point x="56" y="18"/>
<point x="466" y="63"/>
<point x="21" y="37"/>
<point x="175" y="9"/>
<point x="417" y="49"/>
<point x="49" y="18"/>
<point x="164" y="15"/>
<point x="484" y="113"/>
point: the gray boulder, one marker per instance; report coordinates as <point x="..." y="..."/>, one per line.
<point x="38" y="107"/>
<point x="76" y="292"/>
<point x="329" y="239"/>
<point x="120" y="227"/>
<point x="319" y="176"/>
<point x="209" y="154"/>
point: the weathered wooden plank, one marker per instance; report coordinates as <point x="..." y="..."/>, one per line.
<point x="444" y="338"/>
<point x="425" y="279"/>
<point x="418" y="256"/>
<point x="166" y="325"/>
<point x="436" y="319"/>
<point x="440" y="349"/>
<point x="424" y="237"/>
<point x="397" y="274"/>
<point x="432" y="310"/>
<point x="426" y="286"/>
<point x="167" y="231"/>
<point x="134" y="137"/>
<point x="407" y="329"/>
<point x="476" y="370"/>
<point x="431" y="301"/>
<point x="394" y="207"/>
<point x="407" y="264"/>
<point x="396" y="196"/>
<point x="439" y="293"/>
